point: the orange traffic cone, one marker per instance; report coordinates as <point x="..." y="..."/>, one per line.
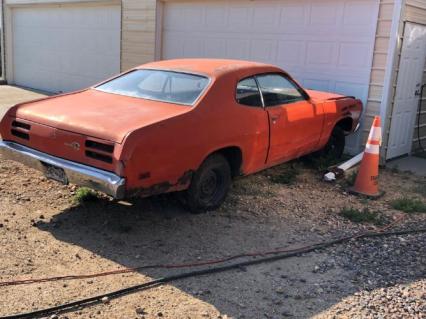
<point x="367" y="181"/>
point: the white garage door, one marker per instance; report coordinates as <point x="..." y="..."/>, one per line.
<point x="60" y="49"/>
<point x="325" y="45"/>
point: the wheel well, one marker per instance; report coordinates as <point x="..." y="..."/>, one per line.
<point x="234" y="157"/>
<point x="345" y="124"/>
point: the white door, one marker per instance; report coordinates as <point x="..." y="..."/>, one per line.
<point x="325" y="44"/>
<point x="410" y="75"/>
<point x="1" y="43"/>
<point x="65" y="48"/>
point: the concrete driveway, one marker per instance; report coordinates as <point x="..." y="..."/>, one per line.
<point x="11" y="95"/>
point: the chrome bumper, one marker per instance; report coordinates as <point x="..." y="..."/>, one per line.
<point x="78" y="174"/>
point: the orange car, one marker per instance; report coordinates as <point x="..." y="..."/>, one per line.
<point x="177" y="125"/>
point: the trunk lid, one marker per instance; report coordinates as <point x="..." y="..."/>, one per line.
<point x="97" y="114"/>
<point x="64" y="144"/>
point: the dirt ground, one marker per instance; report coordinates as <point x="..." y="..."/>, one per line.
<point x="44" y="233"/>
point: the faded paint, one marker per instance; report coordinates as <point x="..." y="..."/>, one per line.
<point x="174" y="141"/>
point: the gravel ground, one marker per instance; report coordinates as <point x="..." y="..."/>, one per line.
<point x="43" y="233"/>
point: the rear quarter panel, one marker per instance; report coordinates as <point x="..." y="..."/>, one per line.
<point x="162" y="157"/>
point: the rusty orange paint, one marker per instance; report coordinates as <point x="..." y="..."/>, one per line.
<point x="164" y="142"/>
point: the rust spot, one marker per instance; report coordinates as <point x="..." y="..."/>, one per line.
<point x="161" y="188"/>
<point x="145" y="175"/>
<point x="185" y="178"/>
<point x="150" y="191"/>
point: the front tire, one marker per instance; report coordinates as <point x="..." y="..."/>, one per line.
<point x="336" y="144"/>
<point x="210" y="185"/>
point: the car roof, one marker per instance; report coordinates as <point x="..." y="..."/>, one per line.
<point x="211" y="67"/>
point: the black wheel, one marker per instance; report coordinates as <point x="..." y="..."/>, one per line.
<point x="336" y="144"/>
<point x="209" y="185"/>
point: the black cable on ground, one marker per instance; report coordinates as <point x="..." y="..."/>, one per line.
<point x="156" y="282"/>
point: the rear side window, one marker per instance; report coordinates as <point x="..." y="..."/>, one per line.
<point x="277" y="90"/>
<point x="248" y="93"/>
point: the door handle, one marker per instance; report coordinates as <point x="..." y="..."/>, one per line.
<point x="275" y="118"/>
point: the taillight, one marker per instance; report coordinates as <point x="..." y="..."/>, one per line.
<point x="20" y="130"/>
<point x="109" y="148"/>
<point x="100" y="151"/>
<point x="22" y="125"/>
<point x="99" y="157"/>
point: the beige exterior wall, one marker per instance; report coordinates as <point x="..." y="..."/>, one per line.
<point x="138" y="32"/>
<point x="415" y="11"/>
<point x="380" y="60"/>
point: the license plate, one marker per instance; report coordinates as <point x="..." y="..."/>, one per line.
<point x="55" y="173"/>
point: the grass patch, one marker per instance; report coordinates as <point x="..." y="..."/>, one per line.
<point x="287" y="176"/>
<point x="420" y="189"/>
<point x="323" y="163"/>
<point x="409" y="205"/>
<point x="361" y="216"/>
<point x="351" y="178"/>
<point x="84" y="194"/>
<point x="255" y="185"/>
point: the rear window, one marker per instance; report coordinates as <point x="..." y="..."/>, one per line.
<point x="158" y="85"/>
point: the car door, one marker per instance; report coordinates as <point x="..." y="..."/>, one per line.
<point x="295" y="122"/>
<point x="254" y="120"/>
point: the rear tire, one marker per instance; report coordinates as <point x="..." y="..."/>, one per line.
<point x="210" y="185"/>
<point x="336" y="144"/>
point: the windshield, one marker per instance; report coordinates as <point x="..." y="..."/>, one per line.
<point x="158" y="85"/>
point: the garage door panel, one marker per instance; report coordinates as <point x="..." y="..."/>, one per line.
<point x="65" y="48"/>
<point x="263" y="50"/>
<point x="291" y="53"/>
<point x="321" y="42"/>
<point x="238" y="49"/>
<point x="356" y="89"/>
<point x="293" y="17"/>
<point x="240" y="17"/>
<point x="323" y="85"/>
<point x="320" y="53"/>
<point x="216" y="48"/>
<point x="324" y="13"/>
<point x="354" y="55"/>
<point x="358" y="16"/>
<point x="266" y="18"/>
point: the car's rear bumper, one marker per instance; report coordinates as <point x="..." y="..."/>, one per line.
<point x="79" y="174"/>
